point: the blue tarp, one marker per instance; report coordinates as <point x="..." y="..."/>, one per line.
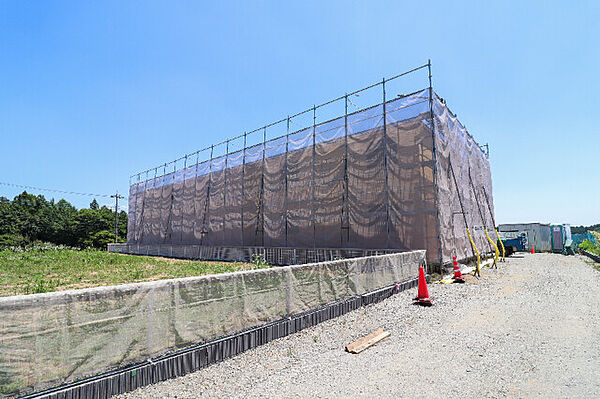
<point x="579" y="238"/>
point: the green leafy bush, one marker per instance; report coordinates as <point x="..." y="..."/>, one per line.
<point x="259" y="260"/>
<point x="12" y="240"/>
<point x="589" y="246"/>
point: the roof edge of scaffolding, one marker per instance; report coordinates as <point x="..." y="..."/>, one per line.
<point x="297" y="114"/>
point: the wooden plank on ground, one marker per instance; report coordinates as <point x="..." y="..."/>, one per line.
<point x="367" y="341"/>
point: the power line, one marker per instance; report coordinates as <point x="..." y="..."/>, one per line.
<point x="54" y="190"/>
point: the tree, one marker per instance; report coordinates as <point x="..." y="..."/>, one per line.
<point x="27" y="208"/>
<point x="122" y="227"/>
<point x="88" y="222"/>
<point x="29" y="218"/>
<point x="583" y="229"/>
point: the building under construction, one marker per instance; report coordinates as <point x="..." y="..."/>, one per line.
<point x="398" y="175"/>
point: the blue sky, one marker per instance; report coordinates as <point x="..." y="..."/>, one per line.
<point x="92" y="92"/>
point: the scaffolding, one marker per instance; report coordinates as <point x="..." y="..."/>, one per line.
<point x="375" y="178"/>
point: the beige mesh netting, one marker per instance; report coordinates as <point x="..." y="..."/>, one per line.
<point x="369" y="179"/>
<point x="58" y="337"/>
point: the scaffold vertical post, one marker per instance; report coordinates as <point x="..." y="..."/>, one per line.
<point x="285" y="205"/>
<point x="225" y="189"/>
<point x="314" y="183"/>
<point x="262" y="188"/>
<point x="139" y="231"/>
<point x="345" y="222"/>
<point x="435" y="185"/>
<point x="206" y="213"/>
<point x="385" y="168"/>
<point x="133" y="215"/>
<point x="154" y="195"/>
<point x="195" y="196"/>
<point x="171" y="220"/>
<point x="243" y="183"/>
<point x="137" y="212"/>
<point x="183" y="197"/>
<point x="162" y="186"/>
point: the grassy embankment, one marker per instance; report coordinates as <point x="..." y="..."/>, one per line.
<point x="51" y="268"/>
<point x="589" y="246"/>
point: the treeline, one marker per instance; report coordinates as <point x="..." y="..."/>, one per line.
<point x="32" y="218"/>
<point x="583" y="229"/>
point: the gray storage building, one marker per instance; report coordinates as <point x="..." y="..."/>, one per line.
<point x="538" y="234"/>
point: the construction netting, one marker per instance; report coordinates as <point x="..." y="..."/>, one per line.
<point x="369" y="179"/>
<point x="464" y="192"/>
<point x="59" y="337"/>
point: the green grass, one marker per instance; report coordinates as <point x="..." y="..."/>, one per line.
<point x="51" y="268"/>
<point x="593" y="264"/>
<point x="589" y="246"/>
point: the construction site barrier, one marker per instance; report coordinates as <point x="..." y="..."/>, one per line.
<point x="195" y="358"/>
<point x="62" y="337"/>
<point x="590" y="255"/>
<point x="282" y="256"/>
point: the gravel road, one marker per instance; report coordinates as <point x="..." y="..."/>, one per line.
<point x="531" y="328"/>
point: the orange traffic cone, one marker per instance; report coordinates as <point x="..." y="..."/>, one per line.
<point x="458" y="277"/>
<point x="532" y="250"/>
<point x="423" y="295"/>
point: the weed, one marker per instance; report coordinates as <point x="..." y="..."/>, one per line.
<point x="259" y="260"/>
<point x="11" y="388"/>
<point x="589" y="246"/>
<point x="137" y="275"/>
<point x="41" y="285"/>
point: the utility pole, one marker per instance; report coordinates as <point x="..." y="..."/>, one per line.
<point x="116" y="197"/>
